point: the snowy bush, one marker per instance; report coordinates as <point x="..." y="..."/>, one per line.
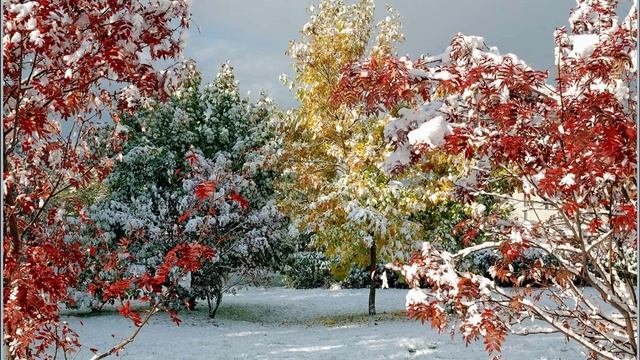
<point x="480" y="262"/>
<point x="358" y="278"/>
<point x="483" y="263"/>
<point x="192" y="170"/>
<point x="307" y="269"/>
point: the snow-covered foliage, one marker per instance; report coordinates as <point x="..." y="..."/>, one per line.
<point x="335" y="188"/>
<point x="307" y="269"/>
<point x="342" y="160"/>
<point x="570" y="147"/>
<point x="191" y="170"/>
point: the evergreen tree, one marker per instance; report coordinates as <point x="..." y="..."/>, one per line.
<point x="196" y="161"/>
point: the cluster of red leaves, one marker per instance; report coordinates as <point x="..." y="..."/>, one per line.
<point x="431" y="312"/>
<point x="454" y="298"/>
<point x="234" y="196"/>
<point x="146" y="287"/>
<point x="62" y="61"/>
<point x="376" y="82"/>
<point x="494" y="331"/>
<point x="491" y="329"/>
<point x="51" y="268"/>
<point x="205" y="190"/>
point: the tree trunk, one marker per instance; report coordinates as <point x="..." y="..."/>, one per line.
<point x="192" y="302"/>
<point x="218" y="299"/>
<point x="14" y="249"/>
<point x="9" y="355"/>
<point x="372" y="274"/>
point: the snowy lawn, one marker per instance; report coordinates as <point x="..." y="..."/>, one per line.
<point x="279" y="323"/>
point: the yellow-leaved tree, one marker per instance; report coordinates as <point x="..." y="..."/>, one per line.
<point x="335" y="187"/>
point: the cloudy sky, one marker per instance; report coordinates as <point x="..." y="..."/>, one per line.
<point x="254" y="34"/>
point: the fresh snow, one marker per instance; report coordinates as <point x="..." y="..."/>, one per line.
<point x="279" y="323"/>
<point x="431" y="132"/>
<point x="584" y="45"/>
<point x="568" y="180"/>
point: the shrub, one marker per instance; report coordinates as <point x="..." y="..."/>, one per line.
<point x="358" y="278"/>
<point x="307" y="269"/>
<point x="193" y="170"/>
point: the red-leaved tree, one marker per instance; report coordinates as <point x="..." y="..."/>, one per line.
<point x="569" y="146"/>
<point x="65" y="64"/>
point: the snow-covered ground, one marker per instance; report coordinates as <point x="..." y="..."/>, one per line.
<point x="279" y="323"/>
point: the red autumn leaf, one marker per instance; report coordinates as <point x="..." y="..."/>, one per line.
<point x="174" y="317"/>
<point x="184" y="216"/>
<point x="126" y="311"/>
<point x="191" y="158"/>
<point x="205" y="190"/>
<point x="117" y="289"/>
<point x="234" y="196"/>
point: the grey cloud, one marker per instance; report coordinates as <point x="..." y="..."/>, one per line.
<point x="253" y="35"/>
